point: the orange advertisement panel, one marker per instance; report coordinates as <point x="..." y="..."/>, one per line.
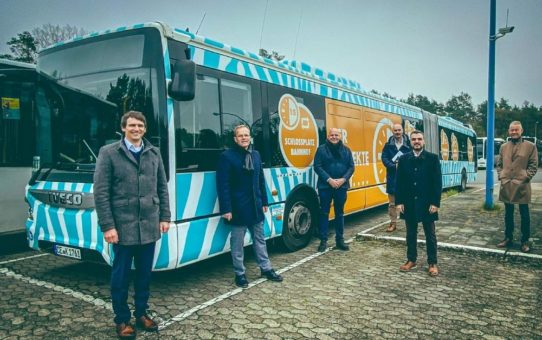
<point x="349" y="120"/>
<point x="365" y="131"/>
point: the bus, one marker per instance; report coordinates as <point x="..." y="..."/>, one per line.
<point x="193" y="92"/>
<point x="17" y="145"/>
<point x="481" y="149"/>
<point x="536" y="141"/>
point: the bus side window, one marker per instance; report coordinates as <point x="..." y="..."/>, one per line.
<point x="236" y="108"/>
<point x="197" y="128"/>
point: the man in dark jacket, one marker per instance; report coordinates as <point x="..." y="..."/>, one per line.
<point x="242" y="198"/>
<point x="419" y="186"/>
<point x="334" y="165"/>
<point x="132" y="204"/>
<point x="397" y="145"/>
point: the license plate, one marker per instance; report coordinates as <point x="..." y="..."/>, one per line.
<point x="73" y="253"/>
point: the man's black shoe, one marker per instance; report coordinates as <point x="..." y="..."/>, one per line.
<point x="272" y="276"/>
<point x="241" y="281"/>
<point x="322" y="247"/>
<point x="341" y="245"/>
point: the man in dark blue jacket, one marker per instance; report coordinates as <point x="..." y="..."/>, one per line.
<point x="334" y="165"/>
<point x="397" y="145"/>
<point x="419" y="186"/>
<point x="243" y="201"/>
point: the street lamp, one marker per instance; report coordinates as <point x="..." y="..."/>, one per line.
<point x="491" y="100"/>
<point x="535" y="126"/>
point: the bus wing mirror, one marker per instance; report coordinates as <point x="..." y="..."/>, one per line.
<point x="183" y="83"/>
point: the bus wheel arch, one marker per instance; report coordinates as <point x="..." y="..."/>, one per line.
<point x="301" y="216"/>
<point x="463" y="185"/>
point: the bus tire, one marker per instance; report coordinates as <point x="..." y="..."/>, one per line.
<point x="300" y="221"/>
<point x="463" y="185"/>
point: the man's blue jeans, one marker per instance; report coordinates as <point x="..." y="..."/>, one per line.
<point x="143" y="256"/>
<point x="258" y="244"/>
<point x="339" y="198"/>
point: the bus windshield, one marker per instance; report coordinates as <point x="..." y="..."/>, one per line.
<point x="86" y="88"/>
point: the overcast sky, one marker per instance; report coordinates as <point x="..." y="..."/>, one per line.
<point x="436" y="48"/>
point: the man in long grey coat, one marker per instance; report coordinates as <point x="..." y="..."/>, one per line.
<point x="517" y="165"/>
<point x="132" y="203"/>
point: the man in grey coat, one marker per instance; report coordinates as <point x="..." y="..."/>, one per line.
<point x="132" y="204"/>
<point x="517" y="165"/>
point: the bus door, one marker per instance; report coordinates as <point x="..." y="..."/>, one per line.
<point x="378" y="130"/>
<point x="348" y="119"/>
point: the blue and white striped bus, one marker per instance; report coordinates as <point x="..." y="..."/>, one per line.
<point x="193" y="91"/>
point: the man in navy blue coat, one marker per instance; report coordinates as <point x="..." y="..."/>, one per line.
<point x="242" y="198"/>
<point x="397" y="145"/>
<point x="334" y="165"/>
<point x="419" y="186"/>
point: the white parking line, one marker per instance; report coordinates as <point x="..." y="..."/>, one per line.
<point x="107" y="305"/>
<point x="67" y="291"/>
<point x="457" y="246"/>
<point x="236" y="291"/>
<point x="23" y="258"/>
<point x="186" y="314"/>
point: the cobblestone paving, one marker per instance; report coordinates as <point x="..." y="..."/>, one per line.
<point x="354" y="294"/>
<point x="361" y="293"/>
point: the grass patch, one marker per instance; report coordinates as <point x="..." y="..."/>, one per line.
<point x="449" y="192"/>
<point x="496" y="207"/>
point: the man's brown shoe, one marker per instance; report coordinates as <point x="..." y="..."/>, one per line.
<point x="409" y="265"/>
<point x="506" y="243"/>
<point x="525" y="247"/>
<point x="125" y="331"/>
<point x="433" y="270"/>
<point x="147" y="324"/>
<point x="392" y="227"/>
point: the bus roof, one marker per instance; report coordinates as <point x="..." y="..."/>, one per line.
<point x="496" y="139"/>
<point x="16" y="64"/>
<point x="453" y="124"/>
<point x="341" y="88"/>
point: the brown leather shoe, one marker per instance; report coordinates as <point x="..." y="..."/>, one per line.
<point x="433" y="270"/>
<point x="147" y="324"/>
<point x="392" y="227"/>
<point x="506" y="243"/>
<point x="409" y="265"/>
<point x="525" y="247"/>
<point x="125" y="331"/>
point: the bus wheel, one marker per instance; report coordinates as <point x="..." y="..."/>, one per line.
<point x="300" y="218"/>
<point x="463" y="185"/>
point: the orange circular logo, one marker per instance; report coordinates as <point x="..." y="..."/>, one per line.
<point x="409" y="127"/>
<point x="455" y="148"/>
<point x="383" y="132"/>
<point x="470" y="150"/>
<point x="298" y="133"/>
<point x="444" y="145"/>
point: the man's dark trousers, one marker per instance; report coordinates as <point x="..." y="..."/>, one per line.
<point x="143" y="256"/>
<point x="509" y="221"/>
<point x="430" y="241"/>
<point x="339" y="198"/>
